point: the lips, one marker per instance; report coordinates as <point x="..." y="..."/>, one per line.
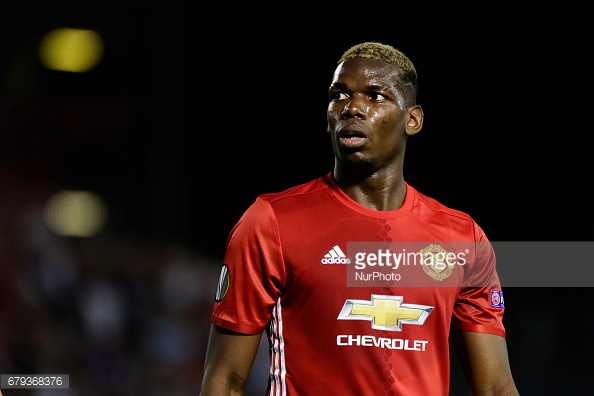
<point x="352" y="137"/>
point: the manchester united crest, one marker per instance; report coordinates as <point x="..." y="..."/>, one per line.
<point x="435" y="263"/>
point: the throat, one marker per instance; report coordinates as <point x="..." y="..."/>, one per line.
<point x="386" y="197"/>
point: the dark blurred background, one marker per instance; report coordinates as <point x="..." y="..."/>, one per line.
<point x="193" y="109"/>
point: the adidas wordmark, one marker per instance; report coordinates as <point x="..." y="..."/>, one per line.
<point x="335" y="256"/>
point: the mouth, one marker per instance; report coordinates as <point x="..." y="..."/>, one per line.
<point x="352" y="137"/>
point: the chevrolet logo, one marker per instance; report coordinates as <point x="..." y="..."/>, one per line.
<point x="385" y="312"/>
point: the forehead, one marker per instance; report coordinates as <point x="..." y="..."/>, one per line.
<point x="367" y="71"/>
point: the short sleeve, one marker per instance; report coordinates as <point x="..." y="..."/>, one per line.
<point x="480" y="306"/>
<point x="252" y="274"/>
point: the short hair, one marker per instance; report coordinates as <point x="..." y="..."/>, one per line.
<point x="407" y="73"/>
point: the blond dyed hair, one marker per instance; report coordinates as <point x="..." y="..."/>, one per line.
<point x="407" y="73"/>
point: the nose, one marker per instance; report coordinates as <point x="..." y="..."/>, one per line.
<point x="354" y="107"/>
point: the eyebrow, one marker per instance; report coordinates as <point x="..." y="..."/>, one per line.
<point x="338" y="85"/>
<point x="376" y="87"/>
<point x="370" y="87"/>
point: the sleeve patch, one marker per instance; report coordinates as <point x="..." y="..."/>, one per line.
<point x="497" y="299"/>
<point x="223" y="285"/>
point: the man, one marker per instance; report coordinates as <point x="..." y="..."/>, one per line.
<point x="286" y="271"/>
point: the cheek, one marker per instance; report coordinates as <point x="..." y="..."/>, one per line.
<point x="387" y="120"/>
<point x="332" y="116"/>
<point x="382" y="120"/>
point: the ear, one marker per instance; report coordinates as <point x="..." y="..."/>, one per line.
<point x="415" y="120"/>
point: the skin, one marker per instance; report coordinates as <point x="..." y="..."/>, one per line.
<point x="369" y="122"/>
<point x="229" y="360"/>
<point x="366" y="102"/>
<point x="484" y="362"/>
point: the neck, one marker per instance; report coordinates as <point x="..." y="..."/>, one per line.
<point x="382" y="189"/>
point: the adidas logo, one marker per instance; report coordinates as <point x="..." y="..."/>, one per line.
<point x="335" y="256"/>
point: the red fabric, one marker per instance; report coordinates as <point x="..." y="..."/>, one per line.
<point x="277" y="283"/>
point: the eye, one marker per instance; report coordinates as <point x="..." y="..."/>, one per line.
<point x="377" y="96"/>
<point x="337" y="95"/>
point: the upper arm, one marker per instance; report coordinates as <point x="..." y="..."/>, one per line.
<point x="484" y="360"/>
<point x="229" y="360"/>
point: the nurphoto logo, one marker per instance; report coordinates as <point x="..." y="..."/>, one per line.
<point x="417" y="264"/>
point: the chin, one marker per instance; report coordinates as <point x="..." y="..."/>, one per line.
<point x="356" y="164"/>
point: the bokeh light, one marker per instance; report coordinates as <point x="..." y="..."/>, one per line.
<point x="75" y="213"/>
<point x="71" y="50"/>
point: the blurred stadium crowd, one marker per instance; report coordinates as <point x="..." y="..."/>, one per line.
<point x="119" y="316"/>
<point x="120" y="313"/>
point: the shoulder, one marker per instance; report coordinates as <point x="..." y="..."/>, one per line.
<point x="268" y="204"/>
<point x="438" y="207"/>
<point x="263" y="215"/>
<point x="297" y="191"/>
<point x="444" y="215"/>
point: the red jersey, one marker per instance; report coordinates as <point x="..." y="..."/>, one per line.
<point x="285" y="271"/>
